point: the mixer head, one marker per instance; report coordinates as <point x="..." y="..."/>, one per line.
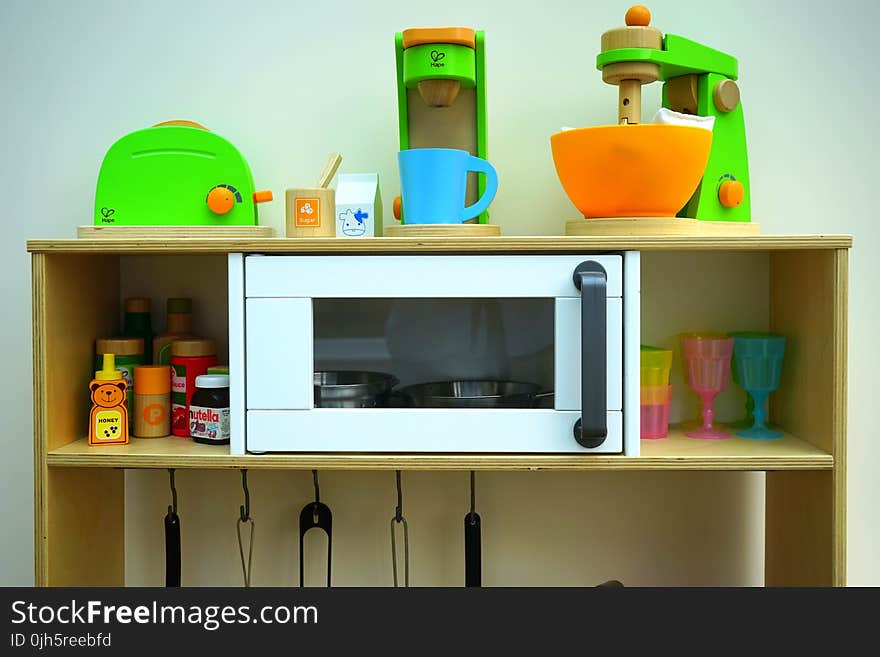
<point x="631" y="75"/>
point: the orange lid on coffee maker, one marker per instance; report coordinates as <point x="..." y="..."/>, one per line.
<point x="419" y="36"/>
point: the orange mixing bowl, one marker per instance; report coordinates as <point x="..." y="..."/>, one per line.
<point x="646" y="170"/>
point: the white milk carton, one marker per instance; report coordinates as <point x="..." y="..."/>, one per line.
<point x="358" y="205"/>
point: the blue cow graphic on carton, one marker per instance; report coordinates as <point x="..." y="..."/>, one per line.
<point x="353" y="223"/>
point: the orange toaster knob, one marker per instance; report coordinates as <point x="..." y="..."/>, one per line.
<point x="262" y="196"/>
<point x="221" y="200"/>
<point x="731" y="193"/>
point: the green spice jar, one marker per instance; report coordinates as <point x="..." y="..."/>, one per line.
<point x="178" y="325"/>
<point x="129" y="352"/>
<point x="137" y="324"/>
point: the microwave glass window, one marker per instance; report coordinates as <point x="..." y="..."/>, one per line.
<point x="508" y="344"/>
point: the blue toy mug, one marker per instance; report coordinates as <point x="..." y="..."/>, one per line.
<point x="433" y="182"/>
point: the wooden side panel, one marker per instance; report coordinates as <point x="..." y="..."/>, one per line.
<point x="806" y="512"/>
<point x="841" y="315"/>
<point x="799" y="533"/>
<point x="802" y="296"/>
<point x="38" y="317"/>
<point x="75" y="300"/>
<point x="85" y="524"/>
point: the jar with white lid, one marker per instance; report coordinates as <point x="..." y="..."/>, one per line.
<point x="209" y="410"/>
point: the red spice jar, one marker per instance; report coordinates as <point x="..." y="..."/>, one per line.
<point x="190" y="357"/>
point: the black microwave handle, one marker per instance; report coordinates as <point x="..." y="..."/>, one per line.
<point x="592" y="280"/>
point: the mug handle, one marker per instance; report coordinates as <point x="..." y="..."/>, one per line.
<point x="481" y="166"/>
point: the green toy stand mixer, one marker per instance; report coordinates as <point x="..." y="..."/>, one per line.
<point x="691" y="163"/>
<point x="176" y="173"/>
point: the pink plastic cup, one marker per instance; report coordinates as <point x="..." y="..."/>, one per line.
<point x="655" y="411"/>
<point x="708" y="365"/>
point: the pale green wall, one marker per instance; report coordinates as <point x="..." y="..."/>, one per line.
<point x="289" y="82"/>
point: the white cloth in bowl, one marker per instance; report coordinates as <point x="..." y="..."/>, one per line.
<point x="666" y="116"/>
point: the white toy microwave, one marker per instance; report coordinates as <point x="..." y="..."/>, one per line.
<point x="566" y="325"/>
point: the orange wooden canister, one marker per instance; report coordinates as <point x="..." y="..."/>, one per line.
<point x="152" y="401"/>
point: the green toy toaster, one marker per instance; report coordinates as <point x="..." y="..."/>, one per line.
<point x="176" y="173"/>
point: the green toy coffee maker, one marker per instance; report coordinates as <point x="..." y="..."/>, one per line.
<point x="176" y="173"/>
<point x="699" y="80"/>
<point x="441" y="95"/>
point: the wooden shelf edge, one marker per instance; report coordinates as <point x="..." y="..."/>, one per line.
<point x="788" y="454"/>
<point x="503" y="244"/>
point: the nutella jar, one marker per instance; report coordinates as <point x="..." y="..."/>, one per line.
<point x="209" y="410"/>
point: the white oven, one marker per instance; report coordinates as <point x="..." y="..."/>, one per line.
<point x="567" y="324"/>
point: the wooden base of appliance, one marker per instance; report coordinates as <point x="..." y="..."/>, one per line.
<point x="659" y="226"/>
<point x="173" y="232"/>
<point x="443" y="230"/>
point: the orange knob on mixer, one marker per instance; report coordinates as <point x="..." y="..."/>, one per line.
<point x="638" y="16"/>
<point x="220" y="200"/>
<point x="731" y="193"/>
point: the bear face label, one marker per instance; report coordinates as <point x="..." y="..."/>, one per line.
<point x="108" y="393"/>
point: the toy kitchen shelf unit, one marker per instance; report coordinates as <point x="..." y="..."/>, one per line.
<point x="795" y="285"/>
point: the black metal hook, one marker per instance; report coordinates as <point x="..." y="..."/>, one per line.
<point x="472" y="514"/>
<point x="317" y="489"/>
<point x="173" y="507"/>
<point x="472" y="541"/>
<point x="314" y="515"/>
<point x="246" y="507"/>
<point x="398" y="511"/>
<point x="317" y="503"/>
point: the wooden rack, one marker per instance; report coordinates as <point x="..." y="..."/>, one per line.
<point x="79" y="491"/>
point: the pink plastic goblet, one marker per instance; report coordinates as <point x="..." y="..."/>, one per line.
<point x="708" y="365"/>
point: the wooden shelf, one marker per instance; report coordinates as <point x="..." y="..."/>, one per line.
<point x="677" y="452"/>
<point x="80" y="491"/>
<point x="444" y="244"/>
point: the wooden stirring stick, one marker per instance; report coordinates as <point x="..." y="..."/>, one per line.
<point x="330" y="168"/>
